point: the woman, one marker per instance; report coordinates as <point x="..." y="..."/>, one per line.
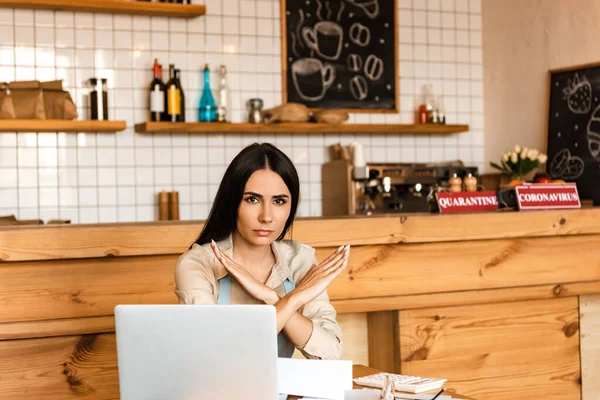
<point x="241" y="257"/>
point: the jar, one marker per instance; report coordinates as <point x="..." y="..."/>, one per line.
<point x="99" y="99"/>
<point x="255" y="111"/>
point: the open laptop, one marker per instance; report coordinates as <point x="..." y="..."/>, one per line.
<point x="185" y="352"/>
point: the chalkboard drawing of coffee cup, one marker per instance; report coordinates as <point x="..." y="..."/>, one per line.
<point x="325" y="38"/>
<point x="370" y="7"/>
<point x="312" y="78"/>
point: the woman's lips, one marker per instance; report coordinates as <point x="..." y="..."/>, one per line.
<point x="263" y="232"/>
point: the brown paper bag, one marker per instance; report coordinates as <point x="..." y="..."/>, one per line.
<point x="57" y="102"/>
<point x="27" y="99"/>
<point x="7" y="109"/>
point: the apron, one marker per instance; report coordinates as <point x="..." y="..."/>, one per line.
<point x="285" y="348"/>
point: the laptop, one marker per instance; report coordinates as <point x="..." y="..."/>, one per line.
<point x="185" y="352"/>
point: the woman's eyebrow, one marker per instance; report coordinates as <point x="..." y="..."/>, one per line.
<point x="253" y="194"/>
<point x="277" y="196"/>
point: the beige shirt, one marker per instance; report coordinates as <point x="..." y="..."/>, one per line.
<point x="198" y="271"/>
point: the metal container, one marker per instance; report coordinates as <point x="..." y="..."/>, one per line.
<point x="255" y="114"/>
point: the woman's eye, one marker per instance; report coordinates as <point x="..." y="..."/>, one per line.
<point x="251" y="199"/>
<point x="280" y="202"/>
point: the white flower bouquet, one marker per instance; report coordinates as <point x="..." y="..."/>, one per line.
<point x="520" y="161"/>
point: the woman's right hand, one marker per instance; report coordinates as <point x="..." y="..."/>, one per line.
<point x="320" y="276"/>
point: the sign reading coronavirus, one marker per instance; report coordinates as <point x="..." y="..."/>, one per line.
<point x="547" y="197"/>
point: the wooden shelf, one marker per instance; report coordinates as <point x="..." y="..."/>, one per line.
<point x="111" y="6"/>
<point x="60" y="125"/>
<point x="216" y="127"/>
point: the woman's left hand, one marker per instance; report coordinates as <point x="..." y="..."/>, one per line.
<point x="255" y="288"/>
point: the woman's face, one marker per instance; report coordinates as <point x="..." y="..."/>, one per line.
<point x="264" y="209"/>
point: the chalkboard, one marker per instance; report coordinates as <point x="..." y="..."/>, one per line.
<point x="574" y="128"/>
<point x="340" y="54"/>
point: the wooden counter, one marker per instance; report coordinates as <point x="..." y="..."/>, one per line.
<point x="497" y="303"/>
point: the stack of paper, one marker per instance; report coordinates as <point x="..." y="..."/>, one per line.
<point x="318" y="379"/>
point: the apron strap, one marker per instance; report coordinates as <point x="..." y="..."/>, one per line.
<point x="224" y="290"/>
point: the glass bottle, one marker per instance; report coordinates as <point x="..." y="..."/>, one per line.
<point x="426" y="107"/>
<point x="173" y="97"/>
<point x="181" y="95"/>
<point x="224" y="96"/>
<point x="157" y="94"/>
<point x="207" y="109"/>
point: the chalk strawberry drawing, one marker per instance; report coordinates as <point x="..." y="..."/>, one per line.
<point x="578" y="94"/>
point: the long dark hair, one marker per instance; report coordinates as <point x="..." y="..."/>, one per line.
<point x="222" y="219"/>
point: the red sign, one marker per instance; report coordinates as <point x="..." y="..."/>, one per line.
<point x="547" y="197"/>
<point x="467" y="201"/>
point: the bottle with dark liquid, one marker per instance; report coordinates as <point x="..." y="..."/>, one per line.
<point x="181" y="95"/>
<point x="157" y="94"/>
<point x="173" y="97"/>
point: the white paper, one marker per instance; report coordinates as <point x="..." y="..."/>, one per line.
<point x="321" y="379"/>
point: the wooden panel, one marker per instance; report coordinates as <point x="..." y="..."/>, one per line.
<point x="354" y="335"/>
<point x="82" y="288"/>
<point x="56" y="327"/>
<point x="507" y="350"/>
<point x="92" y="287"/>
<point x="23" y="243"/>
<point x="61" y="125"/>
<point x="388" y="270"/>
<point x="444" y="299"/>
<point x="383" y="348"/>
<point x="82" y="367"/>
<point x="590" y="346"/>
<point x="111" y="6"/>
<point x="295" y="127"/>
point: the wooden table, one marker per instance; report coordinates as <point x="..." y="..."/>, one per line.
<point x="361" y="370"/>
<point x="504" y="305"/>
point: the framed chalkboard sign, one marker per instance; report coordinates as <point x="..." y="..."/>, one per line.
<point x="574" y="128"/>
<point x="340" y="54"/>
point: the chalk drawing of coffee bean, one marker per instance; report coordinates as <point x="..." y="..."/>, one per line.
<point x="359" y="87"/>
<point x="360" y="34"/>
<point x="355" y="62"/>
<point x="373" y="67"/>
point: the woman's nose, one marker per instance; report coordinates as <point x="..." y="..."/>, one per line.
<point x="265" y="215"/>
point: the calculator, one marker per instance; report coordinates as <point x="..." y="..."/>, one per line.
<point x="402" y="383"/>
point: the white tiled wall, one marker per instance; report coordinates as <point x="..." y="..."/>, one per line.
<point x="89" y="177"/>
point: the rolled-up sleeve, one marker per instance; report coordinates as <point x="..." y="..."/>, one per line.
<point x="325" y="341"/>
<point x="195" y="281"/>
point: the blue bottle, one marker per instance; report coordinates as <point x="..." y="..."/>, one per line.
<point x="207" y="110"/>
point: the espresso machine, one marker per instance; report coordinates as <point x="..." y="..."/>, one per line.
<point x="380" y="188"/>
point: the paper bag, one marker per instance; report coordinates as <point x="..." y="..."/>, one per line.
<point x="7" y="109"/>
<point x="27" y="99"/>
<point x="57" y="102"/>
